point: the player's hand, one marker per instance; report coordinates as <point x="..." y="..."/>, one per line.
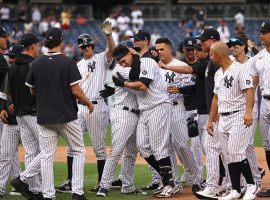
<point x="4" y="116"/>
<point x="11" y="108"/>
<point x="210" y="128"/>
<point x="162" y="65"/>
<point x="248" y="119"/>
<point x="216" y="118"/>
<point x="118" y="81"/>
<point x="90" y="107"/>
<point x="154" y="52"/>
<point x="108" y="91"/>
<point x="107" y="28"/>
<point x="172" y="89"/>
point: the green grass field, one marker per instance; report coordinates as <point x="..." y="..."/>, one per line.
<point x="142" y="175"/>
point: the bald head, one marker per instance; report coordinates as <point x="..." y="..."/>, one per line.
<point x="220" y="48"/>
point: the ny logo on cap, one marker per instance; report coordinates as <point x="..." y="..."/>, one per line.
<point x="4" y="29"/>
<point x="189" y="42"/>
<point x="11" y="48"/>
<point x="263" y="24"/>
<point x="84" y="40"/>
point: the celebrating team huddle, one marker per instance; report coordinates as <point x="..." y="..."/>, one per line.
<point x="160" y="103"/>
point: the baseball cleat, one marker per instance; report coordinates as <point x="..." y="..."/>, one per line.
<point x="195" y="188"/>
<point x="167" y="191"/>
<point x="207" y="193"/>
<point x="102" y="192"/>
<point x="95" y="189"/>
<point x="78" y="197"/>
<point x="159" y="189"/>
<point x="251" y="192"/>
<point x="15" y="192"/>
<point x="65" y="187"/>
<point x="116" y="184"/>
<point x="265" y="193"/>
<point x="22" y="187"/>
<point x="231" y="196"/>
<point x="262" y="171"/>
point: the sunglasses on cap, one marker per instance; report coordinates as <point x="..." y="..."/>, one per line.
<point x="234" y="40"/>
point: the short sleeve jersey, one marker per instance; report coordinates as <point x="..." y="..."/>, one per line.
<point x="53" y="75"/>
<point x="124" y="96"/>
<point x="260" y="66"/>
<point x="93" y="72"/>
<point x="157" y="91"/>
<point x="229" y="87"/>
<point x="175" y="79"/>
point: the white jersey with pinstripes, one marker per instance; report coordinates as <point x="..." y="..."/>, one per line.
<point x="175" y="79"/>
<point x="260" y="66"/>
<point x="93" y="72"/>
<point x="229" y="86"/>
<point x="123" y="95"/>
<point x="157" y="91"/>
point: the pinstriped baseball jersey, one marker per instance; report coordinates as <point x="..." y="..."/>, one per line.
<point x="123" y="95"/>
<point x="93" y="71"/>
<point x="229" y="86"/>
<point x="157" y="91"/>
<point x="261" y="67"/>
<point x="176" y="79"/>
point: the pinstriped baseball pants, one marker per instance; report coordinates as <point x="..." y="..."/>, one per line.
<point x="9" y="163"/>
<point x="265" y="123"/>
<point x="49" y="135"/>
<point x="124" y="124"/>
<point x="30" y="140"/>
<point x="153" y="131"/>
<point x="179" y="132"/>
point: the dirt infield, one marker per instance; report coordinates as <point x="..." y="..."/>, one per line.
<point x="187" y="194"/>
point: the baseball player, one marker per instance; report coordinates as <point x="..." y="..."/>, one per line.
<point x="93" y="68"/>
<point x="238" y="47"/>
<point x="153" y="138"/>
<point x="25" y="111"/>
<point x="260" y="73"/>
<point x="9" y="163"/>
<point x="124" y="119"/>
<point x="178" y="128"/>
<point x="58" y="114"/>
<point x="233" y="100"/>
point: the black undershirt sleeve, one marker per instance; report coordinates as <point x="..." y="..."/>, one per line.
<point x="145" y="81"/>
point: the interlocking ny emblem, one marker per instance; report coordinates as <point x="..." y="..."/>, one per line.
<point x="91" y="66"/>
<point x="228" y="82"/>
<point x="170" y="78"/>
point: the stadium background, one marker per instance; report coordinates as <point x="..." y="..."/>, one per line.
<point x="163" y="17"/>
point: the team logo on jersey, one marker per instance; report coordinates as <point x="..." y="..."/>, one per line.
<point x="228" y="82"/>
<point x="144" y="72"/>
<point x="91" y="66"/>
<point x="248" y="82"/>
<point x="170" y="78"/>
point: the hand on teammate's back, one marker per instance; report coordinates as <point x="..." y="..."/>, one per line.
<point x="4" y="116"/>
<point x="210" y="128"/>
<point x="172" y="89"/>
<point x="107" y="27"/>
<point x="162" y="65"/>
<point x="248" y="119"/>
<point x="11" y="108"/>
<point x="108" y="91"/>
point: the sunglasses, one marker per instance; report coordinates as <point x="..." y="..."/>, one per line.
<point x="234" y="40"/>
<point x="85" y="46"/>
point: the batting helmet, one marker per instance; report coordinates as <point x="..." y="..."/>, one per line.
<point x="192" y="126"/>
<point x="85" y="39"/>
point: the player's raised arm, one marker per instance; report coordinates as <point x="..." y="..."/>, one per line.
<point x="107" y="30"/>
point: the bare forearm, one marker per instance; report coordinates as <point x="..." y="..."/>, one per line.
<point x="214" y="109"/>
<point x="110" y="47"/>
<point x="137" y="85"/>
<point x="181" y="69"/>
<point x="79" y="94"/>
<point x="33" y="91"/>
<point x="249" y="100"/>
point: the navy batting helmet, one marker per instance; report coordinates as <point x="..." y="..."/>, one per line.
<point x="85" y="39"/>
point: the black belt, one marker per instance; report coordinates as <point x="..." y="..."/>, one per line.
<point x="175" y="103"/>
<point x="131" y="110"/>
<point x="266" y="97"/>
<point x="229" y="113"/>
<point x="93" y="102"/>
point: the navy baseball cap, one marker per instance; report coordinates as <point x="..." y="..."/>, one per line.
<point x="14" y="50"/>
<point x="29" y="39"/>
<point x="54" y="34"/>
<point x="189" y="43"/>
<point x="208" y="34"/>
<point x="3" y="32"/>
<point x="265" y="27"/>
<point x="236" y="41"/>
<point x="141" y="35"/>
